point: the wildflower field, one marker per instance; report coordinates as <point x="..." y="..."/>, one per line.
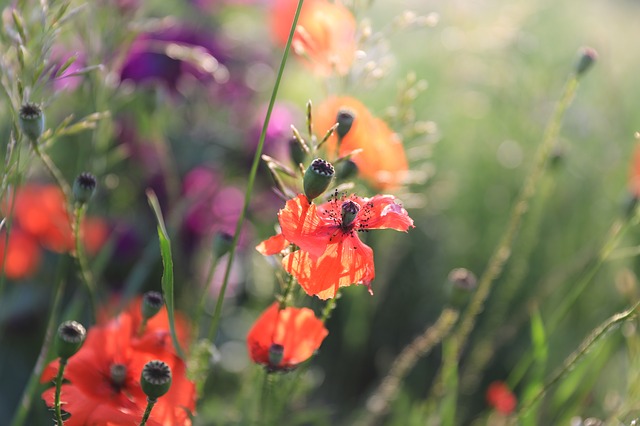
<point x="319" y="212"/>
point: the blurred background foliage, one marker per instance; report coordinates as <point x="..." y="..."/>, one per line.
<point x="494" y="71"/>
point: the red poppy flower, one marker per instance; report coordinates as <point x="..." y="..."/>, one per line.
<point x="331" y="254"/>
<point x="634" y="175"/>
<point x="382" y="160"/>
<point x="295" y="332"/>
<point x="103" y="386"/>
<point x="325" y="38"/>
<point x="500" y="397"/>
<point x="21" y="256"/>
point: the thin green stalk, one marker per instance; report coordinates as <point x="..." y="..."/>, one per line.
<point x="147" y="411"/>
<point x="8" y="220"/>
<point x="576" y="356"/>
<point x="203" y="296"/>
<point x="380" y="400"/>
<point x="213" y="330"/>
<point x="56" y="401"/>
<point x="54" y="172"/>
<point x="265" y="396"/>
<point x="504" y="249"/>
<point x="32" y="386"/>
<point x="83" y="265"/>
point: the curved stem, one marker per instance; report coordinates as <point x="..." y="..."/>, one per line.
<point x="54" y="171"/>
<point x="576" y="356"/>
<point x="32" y="386"/>
<point x="85" y="273"/>
<point x="213" y="330"/>
<point x="503" y="251"/>
<point x="56" y="401"/>
<point x="147" y="411"/>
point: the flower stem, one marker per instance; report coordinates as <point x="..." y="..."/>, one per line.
<point x="579" y="353"/>
<point x="85" y="273"/>
<point x="378" y="403"/>
<point x="56" y="402"/>
<point x="213" y="330"/>
<point x="54" y="171"/>
<point x="147" y="411"/>
<point x="504" y="249"/>
<point x="32" y="386"/>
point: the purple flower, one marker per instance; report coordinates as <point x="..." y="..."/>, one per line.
<point x="171" y="54"/>
<point x="66" y="80"/>
<point x="276" y="142"/>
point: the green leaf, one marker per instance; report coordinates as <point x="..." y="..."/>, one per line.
<point x="167" y="263"/>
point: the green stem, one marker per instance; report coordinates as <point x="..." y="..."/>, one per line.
<point x="265" y="396"/>
<point x="83" y="265"/>
<point x="213" y="330"/>
<point x="387" y="391"/>
<point x="203" y="296"/>
<point x="56" y="401"/>
<point x="9" y="218"/>
<point x="147" y="411"/>
<point x="576" y="356"/>
<point x="504" y="249"/>
<point x="54" y="171"/>
<point x="32" y="386"/>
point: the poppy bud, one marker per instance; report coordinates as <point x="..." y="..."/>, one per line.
<point x="346" y="169"/>
<point x="70" y="337"/>
<point x="462" y="283"/>
<point x="84" y="187"/>
<point x="276" y="353"/>
<point x="317" y="178"/>
<point x="222" y="244"/>
<point x="350" y="210"/>
<point x="31" y="118"/>
<point x="588" y="56"/>
<point x="152" y="302"/>
<point x="155" y="379"/>
<point x="344" y="119"/>
<point x="298" y="154"/>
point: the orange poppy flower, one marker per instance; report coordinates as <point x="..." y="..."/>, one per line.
<point x="500" y="397"/>
<point x="102" y="380"/>
<point x="325" y="37"/>
<point x="382" y="161"/>
<point x="296" y="331"/>
<point x="331" y="254"/>
<point x="22" y="255"/>
<point x="40" y="211"/>
<point x="634" y="175"/>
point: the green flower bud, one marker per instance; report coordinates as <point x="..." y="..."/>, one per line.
<point x="346" y="169"/>
<point x="152" y="302"/>
<point x="31" y="118"/>
<point x="276" y="353"/>
<point x="317" y="178"/>
<point x="588" y="56"/>
<point x="222" y="244"/>
<point x="70" y="337"/>
<point x="350" y="210"/>
<point x="298" y="154"/>
<point x="462" y="283"/>
<point x="84" y="186"/>
<point x="155" y="379"/>
<point x="344" y="119"/>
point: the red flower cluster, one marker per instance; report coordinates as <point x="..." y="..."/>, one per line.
<point x="294" y="333"/>
<point x="331" y="255"/>
<point x="102" y="380"/>
<point x="500" y="397"/>
<point x="41" y="219"/>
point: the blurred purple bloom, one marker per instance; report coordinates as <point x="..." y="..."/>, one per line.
<point x="276" y="142"/>
<point x="171" y="54"/>
<point x="66" y="81"/>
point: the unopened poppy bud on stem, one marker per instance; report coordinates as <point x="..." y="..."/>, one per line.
<point x="31" y="118"/>
<point x="346" y="169"/>
<point x="298" y="154"/>
<point x="317" y="178"/>
<point x="84" y="186"/>
<point x="152" y="302"/>
<point x="462" y="283"/>
<point x="70" y="337"/>
<point x="155" y="379"/>
<point x="344" y="119"/>
<point x="588" y="56"/>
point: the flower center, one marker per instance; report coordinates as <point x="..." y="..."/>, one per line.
<point x="350" y="210"/>
<point x="118" y="375"/>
